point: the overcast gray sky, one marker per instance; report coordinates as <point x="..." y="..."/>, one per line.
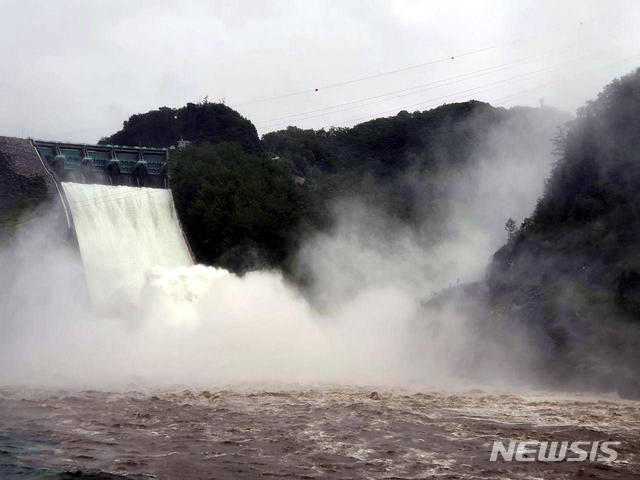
<point x="76" y="69"/>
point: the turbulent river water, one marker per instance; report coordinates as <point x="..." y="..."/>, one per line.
<point x="295" y="431"/>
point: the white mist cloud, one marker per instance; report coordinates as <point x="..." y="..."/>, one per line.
<point x="203" y="325"/>
<point x="193" y="324"/>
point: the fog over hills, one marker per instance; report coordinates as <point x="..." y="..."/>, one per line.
<point x="387" y="239"/>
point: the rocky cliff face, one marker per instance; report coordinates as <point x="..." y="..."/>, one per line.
<point x="559" y="335"/>
<point x="24" y="182"/>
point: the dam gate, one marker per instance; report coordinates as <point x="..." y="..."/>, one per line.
<point x="106" y="164"/>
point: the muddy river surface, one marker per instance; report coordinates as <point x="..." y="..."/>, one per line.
<point x="303" y="432"/>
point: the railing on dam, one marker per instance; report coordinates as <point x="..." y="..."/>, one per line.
<point x="106" y="164"/>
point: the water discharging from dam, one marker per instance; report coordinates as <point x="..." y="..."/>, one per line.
<point x="122" y="232"/>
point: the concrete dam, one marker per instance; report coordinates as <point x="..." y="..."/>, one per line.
<point x="117" y="205"/>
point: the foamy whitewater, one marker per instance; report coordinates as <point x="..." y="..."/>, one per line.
<point x="122" y="232"/>
<point x="156" y="316"/>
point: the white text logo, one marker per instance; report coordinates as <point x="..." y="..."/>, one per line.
<point x="554" y="452"/>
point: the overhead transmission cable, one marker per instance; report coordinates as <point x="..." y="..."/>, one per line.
<point x="514" y="63"/>
<point x="459" y="94"/>
<point x="523" y="76"/>
<point x="126" y="195"/>
<point x="103" y="199"/>
<point x="435" y="101"/>
<point x="391" y="72"/>
<point x="495" y="68"/>
<point x="412" y="67"/>
<point x="488" y="70"/>
<point x="502" y="100"/>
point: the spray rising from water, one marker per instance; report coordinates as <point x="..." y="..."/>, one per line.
<point x="169" y="321"/>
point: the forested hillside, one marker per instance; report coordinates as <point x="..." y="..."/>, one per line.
<point x="386" y="146"/>
<point x="571" y="272"/>
<point x="587" y="222"/>
<point x="241" y="210"/>
<point x="204" y="122"/>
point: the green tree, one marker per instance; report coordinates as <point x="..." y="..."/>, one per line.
<point x="239" y="210"/>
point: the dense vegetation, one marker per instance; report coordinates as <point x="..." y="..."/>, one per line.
<point x="585" y="227"/>
<point x="371" y="160"/>
<point x="570" y="275"/>
<point x="237" y="209"/>
<point x="382" y="161"/>
<point x="204" y="122"/>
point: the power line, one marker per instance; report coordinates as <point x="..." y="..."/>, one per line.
<point x="458" y="94"/>
<point x="117" y="196"/>
<point x="412" y="67"/>
<point x="524" y="93"/>
<point x="525" y="75"/>
<point x="489" y="70"/>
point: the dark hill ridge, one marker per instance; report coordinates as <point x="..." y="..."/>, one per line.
<point x="372" y="161"/>
<point x="448" y="134"/>
<point x="205" y="122"/>
<point x="377" y="160"/>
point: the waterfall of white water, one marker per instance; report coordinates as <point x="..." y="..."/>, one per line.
<point x="122" y="232"/>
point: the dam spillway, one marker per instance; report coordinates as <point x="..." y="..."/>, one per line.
<point x="105" y="164"/>
<point x="122" y="232"/>
<point x="114" y="203"/>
